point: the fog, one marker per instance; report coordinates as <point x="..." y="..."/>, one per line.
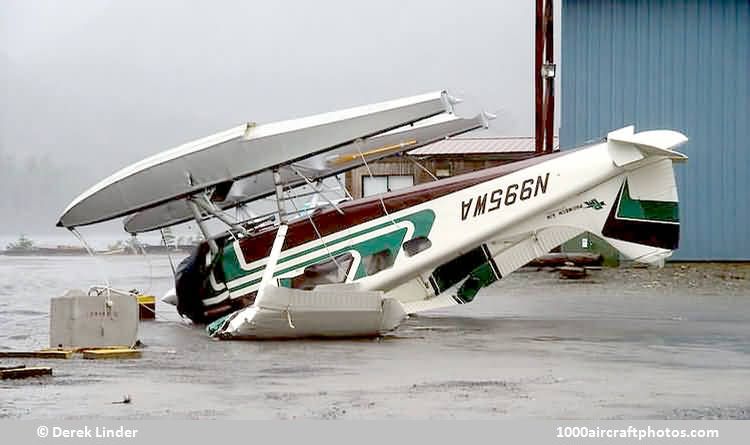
<point x="88" y="87"/>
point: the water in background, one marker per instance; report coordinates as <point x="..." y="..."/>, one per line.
<point x="28" y="282"/>
<point x="97" y="241"/>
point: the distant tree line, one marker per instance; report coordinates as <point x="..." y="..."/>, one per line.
<point x="34" y="189"/>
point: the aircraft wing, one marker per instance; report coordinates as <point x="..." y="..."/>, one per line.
<point x="240" y="152"/>
<point x="316" y="167"/>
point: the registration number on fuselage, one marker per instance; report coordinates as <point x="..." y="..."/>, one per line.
<point x="504" y="196"/>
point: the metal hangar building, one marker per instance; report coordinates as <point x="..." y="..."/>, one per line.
<point x="675" y="64"/>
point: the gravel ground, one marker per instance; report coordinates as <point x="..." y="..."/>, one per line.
<point x="668" y="343"/>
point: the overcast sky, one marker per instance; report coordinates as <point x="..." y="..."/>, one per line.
<point x="95" y="85"/>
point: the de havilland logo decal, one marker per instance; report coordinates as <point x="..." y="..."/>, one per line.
<point x="595" y="204"/>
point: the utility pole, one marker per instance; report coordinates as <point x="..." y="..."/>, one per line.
<point x="544" y="78"/>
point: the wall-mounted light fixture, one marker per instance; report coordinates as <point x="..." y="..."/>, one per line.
<point x="548" y="70"/>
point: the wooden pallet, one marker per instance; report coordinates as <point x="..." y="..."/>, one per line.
<point x="57" y="354"/>
<point x="572" y="272"/>
<point x="94" y="354"/>
<point x="22" y="372"/>
<point x="65" y="353"/>
<point x="88" y="348"/>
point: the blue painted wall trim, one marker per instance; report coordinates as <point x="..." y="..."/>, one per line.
<point x="677" y="64"/>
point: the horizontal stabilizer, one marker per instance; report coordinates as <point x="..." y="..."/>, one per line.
<point x="626" y="146"/>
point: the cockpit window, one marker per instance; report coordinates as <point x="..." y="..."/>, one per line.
<point x="378" y="261"/>
<point x="326" y="272"/>
<point x="416" y="245"/>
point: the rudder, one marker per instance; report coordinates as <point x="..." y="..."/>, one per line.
<point x="637" y="212"/>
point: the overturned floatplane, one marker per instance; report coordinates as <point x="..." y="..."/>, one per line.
<point x="357" y="267"/>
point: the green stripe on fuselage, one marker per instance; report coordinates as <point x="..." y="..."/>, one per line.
<point x="422" y="221"/>
<point x="389" y="241"/>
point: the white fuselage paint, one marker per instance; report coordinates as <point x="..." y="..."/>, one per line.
<point x="452" y="235"/>
<point x="455" y="232"/>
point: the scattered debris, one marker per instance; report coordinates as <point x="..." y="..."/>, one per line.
<point x="730" y="276"/>
<point x="10" y="368"/>
<point x="88" y="353"/>
<point x="561" y="259"/>
<point x="146" y="307"/>
<point x="22" y="372"/>
<point x="572" y="272"/>
<point x="125" y="400"/>
<point x="58" y="354"/>
<point x="87" y="348"/>
<point x="547" y="338"/>
<point x="111" y="353"/>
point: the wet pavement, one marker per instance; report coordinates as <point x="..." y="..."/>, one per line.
<point x="624" y="343"/>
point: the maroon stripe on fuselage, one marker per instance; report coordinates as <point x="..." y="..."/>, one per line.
<point x="359" y="211"/>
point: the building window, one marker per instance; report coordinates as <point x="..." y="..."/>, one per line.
<point x="374" y="185"/>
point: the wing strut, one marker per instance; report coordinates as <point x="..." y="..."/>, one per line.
<point x="278" y="242"/>
<point x="206" y="205"/>
<point x="199" y="220"/>
<point x="279" y="187"/>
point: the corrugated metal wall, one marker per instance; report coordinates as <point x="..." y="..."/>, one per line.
<point x="676" y="64"/>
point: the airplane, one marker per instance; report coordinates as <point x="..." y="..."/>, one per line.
<point x="359" y="266"/>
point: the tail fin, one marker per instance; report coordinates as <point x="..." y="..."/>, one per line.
<point x="642" y="218"/>
<point x="636" y="211"/>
